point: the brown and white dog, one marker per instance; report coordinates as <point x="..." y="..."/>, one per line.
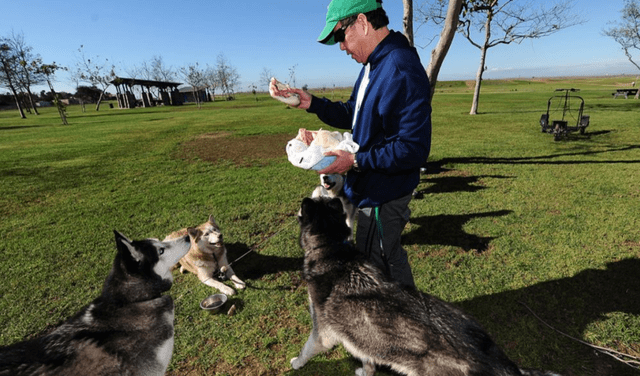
<point x="207" y="257"/>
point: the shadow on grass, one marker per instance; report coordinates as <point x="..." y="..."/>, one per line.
<point x="448" y="230"/>
<point x="617" y="106"/>
<point x="255" y="265"/>
<point x="20" y="127"/>
<point x="570" y="305"/>
<point x="435" y="167"/>
<point x="451" y="184"/>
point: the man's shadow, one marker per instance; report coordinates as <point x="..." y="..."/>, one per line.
<point x="448" y="230"/>
<point x="451" y="184"/>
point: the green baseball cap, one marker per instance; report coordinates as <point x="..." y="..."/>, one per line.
<point x="341" y="9"/>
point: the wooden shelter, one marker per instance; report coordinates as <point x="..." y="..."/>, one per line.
<point x="168" y="92"/>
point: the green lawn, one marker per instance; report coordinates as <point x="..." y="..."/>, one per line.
<point x="507" y="217"/>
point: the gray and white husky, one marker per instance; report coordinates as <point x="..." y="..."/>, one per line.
<point x="352" y="303"/>
<point x="127" y="330"/>
<point x="332" y="186"/>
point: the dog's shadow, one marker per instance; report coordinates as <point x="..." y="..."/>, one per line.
<point x="255" y="265"/>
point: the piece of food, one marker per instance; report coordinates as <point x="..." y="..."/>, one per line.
<point x="291" y="99"/>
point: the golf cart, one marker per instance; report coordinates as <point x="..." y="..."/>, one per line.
<point x="562" y="103"/>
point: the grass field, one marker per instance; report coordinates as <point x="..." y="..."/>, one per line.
<point x="508" y="222"/>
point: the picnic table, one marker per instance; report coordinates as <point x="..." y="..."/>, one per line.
<point x="625" y="92"/>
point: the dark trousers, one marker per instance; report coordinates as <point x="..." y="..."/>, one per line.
<point x="391" y="258"/>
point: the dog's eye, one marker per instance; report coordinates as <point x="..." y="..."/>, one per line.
<point x="160" y="251"/>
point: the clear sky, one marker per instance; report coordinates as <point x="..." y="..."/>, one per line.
<point x="281" y="34"/>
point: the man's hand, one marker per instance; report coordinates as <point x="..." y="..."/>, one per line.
<point x="343" y="163"/>
<point x="305" y="98"/>
<point x="284" y="93"/>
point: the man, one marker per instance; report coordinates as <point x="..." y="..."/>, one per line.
<point x="389" y="113"/>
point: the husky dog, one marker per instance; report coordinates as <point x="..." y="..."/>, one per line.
<point x="352" y="303"/>
<point x="127" y="330"/>
<point x="207" y="256"/>
<point x="332" y="186"/>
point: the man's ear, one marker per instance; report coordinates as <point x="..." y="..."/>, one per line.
<point x="362" y="19"/>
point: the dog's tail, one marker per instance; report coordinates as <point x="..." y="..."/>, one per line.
<point x="534" y="372"/>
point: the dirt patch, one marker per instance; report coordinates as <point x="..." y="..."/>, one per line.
<point x="245" y="151"/>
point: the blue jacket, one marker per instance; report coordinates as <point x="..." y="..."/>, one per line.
<point x="393" y="127"/>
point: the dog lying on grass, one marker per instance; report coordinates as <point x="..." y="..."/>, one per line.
<point x="207" y="257"/>
<point x="352" y="303"/>
<point x="127" y="330"/>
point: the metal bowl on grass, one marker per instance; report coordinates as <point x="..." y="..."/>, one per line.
<point x="213" y="303"/>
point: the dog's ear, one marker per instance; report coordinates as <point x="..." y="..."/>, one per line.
<point x="336" y="205"/>
<point x="211" y="220"/>
<point x="307" y="208"/>
<point x="194" y="233"/>
<point x="126" y="248"/>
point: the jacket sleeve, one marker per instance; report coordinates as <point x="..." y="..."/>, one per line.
<point x="335" y="114"/>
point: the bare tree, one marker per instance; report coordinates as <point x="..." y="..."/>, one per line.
<point x="159" y="71"/>
<point x="228" y="76"/>
<point x="489" y="23"/>
<point x="292" y="75"/>
<point x="96" y="71"/>
<point x="8" y="67"/>
<point x="153" y="70"/>
<point x="195" y="77"/>
<point x="253" y="88"/>
<point x="26" y="74"/>
<point x="450" y="22"/>
<point x="265" y="77"/>
<point x="48" y="70"/>
<point x="627" y="31"/>
<point x="407" y="20"/>
<point x="211" y="78"/>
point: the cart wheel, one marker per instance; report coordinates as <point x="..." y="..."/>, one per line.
<point x="557" y="133"/>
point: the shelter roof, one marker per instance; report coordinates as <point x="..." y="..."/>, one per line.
<point x="148" y="83"/>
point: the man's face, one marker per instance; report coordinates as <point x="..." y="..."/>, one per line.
<point x="353" y="41"/>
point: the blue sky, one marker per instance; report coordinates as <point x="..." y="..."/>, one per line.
<point x="280" y="34"/>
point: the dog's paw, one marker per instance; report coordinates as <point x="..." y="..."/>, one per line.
<point x="296" y="363"/>
<point x="367" y="369"/>
<point x="240" y="285"/>
<point x="227" y="290"/>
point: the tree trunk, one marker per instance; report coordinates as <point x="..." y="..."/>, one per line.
<point x="7" y="72"/>
<point x="407" y="20"/>
<point x="15" y="95"/>
<point x="58" y="104"/>
<point x="446" y="38"/>
<point x="33" y="105"/>
<point x="99" y="101"/>
<point x="483" y="57"/>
